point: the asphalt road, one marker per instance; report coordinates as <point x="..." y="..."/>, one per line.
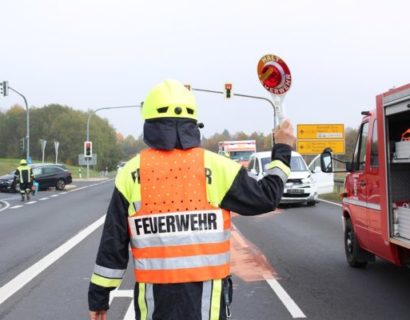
<point x="288" y="264"/>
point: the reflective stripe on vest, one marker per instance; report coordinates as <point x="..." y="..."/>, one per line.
<point x="177" y="236"/>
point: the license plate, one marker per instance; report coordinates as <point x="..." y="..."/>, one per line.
<point x="295" y="191"/>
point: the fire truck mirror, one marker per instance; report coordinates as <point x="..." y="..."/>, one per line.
<point x="326" y="162"/>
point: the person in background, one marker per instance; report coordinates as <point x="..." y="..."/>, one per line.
<point x="24" y="174"/>
<point x="172" y="204"/>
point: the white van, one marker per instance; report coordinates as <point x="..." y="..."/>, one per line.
<point x="324" y="180"/>
<point x="301" y="186"/>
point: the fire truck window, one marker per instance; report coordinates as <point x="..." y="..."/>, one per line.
<point x="374" y="150"/>
<point x="360" y="150"/>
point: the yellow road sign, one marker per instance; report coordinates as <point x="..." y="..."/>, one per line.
<point x="317" y="146"/>
<point x="320" y="131"/>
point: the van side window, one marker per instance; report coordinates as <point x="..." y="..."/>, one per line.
<point x="374" y="148"/>
<point x="359" y="158"/>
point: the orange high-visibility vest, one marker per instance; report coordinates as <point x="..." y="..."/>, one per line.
<point x="176" y="235"/>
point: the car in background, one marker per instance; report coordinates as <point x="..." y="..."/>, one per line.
<point x="300" y="186"/>
<point x="8" y="183"/>
<point x="51" y="175"/>
<point x="47" y="175"/>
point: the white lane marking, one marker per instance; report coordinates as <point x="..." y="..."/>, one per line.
<point x="54" y="195"/>
<point x="42" y="199"/>
<point x="30" y="273"/>
<point x="292" y="307"/>
<point x="130" y="315"/>
<point x="330" y="202"/>
<point x="5" y="206"/>
<point x="121" y="293"/>
<point x="78" y="189"/>
<point x="31" y="202"/>
<point x="16" y="207"/>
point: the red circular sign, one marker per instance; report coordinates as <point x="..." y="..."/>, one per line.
<point x="274" y="74"/>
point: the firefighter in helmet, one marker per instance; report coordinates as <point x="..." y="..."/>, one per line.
<point x="172" y="204"/>
<point x="24" y="174"/>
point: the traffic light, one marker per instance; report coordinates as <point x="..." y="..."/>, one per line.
<point x="22" y="144"/>
<point x="4" y="88"/>
<point x="88" y="149"/>
<point x="228" y="90"/>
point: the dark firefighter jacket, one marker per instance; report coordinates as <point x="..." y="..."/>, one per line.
<point x="239" y="193"/>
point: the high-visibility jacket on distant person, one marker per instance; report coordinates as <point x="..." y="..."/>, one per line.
<point x="24" y="173"/>
<point x="173" y="208"/>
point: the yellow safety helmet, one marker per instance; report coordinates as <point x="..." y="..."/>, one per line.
<point x="169" y="99"/>
<point x="23" y="162"/>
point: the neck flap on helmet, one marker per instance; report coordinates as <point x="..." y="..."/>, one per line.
<point x="171" y="133"/>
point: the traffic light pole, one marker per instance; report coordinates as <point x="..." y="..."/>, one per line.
<point x="88" y="127"/>
<point x="247" y="96"/>
<point x="244" y="96"/>
<point x="27" y="122"/>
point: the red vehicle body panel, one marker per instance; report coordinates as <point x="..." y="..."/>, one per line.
<point x="366" y="200"/>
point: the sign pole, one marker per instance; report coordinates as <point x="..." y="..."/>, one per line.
<point x="56" y="145"/>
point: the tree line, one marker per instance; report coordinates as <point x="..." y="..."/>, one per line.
<point x="60" y="123"/>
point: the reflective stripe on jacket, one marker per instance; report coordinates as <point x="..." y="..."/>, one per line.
<point x="177" y="235"/>
<point x="228" y="186"/>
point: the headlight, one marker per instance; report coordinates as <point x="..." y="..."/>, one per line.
<point x="307" y="180"/>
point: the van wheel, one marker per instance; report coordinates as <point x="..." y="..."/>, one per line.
<point x="60" y="185"/>
<point x="352" y="248"/>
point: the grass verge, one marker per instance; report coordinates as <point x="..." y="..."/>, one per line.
<point x="334" y="197"/>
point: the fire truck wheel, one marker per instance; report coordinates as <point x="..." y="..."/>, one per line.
<point x="352" y="248"/>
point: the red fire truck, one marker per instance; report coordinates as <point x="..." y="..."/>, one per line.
<point x="376" y="200"/>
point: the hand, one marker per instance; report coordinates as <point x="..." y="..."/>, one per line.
<point x="284" y="134"/>
<point x="98" y="315"/>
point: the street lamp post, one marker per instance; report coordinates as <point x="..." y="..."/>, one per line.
<point x="88" y="126"/>
<point x="27" y="122"/>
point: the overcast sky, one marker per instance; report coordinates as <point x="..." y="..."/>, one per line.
<point x="89" y="54"/>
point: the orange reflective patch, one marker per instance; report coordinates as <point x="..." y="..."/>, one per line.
<point x="182" y="275"/>
<point x="173" y="181"/>
<point x="181" y="251"/>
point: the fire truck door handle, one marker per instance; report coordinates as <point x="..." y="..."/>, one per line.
<point x="362" y="183"/>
